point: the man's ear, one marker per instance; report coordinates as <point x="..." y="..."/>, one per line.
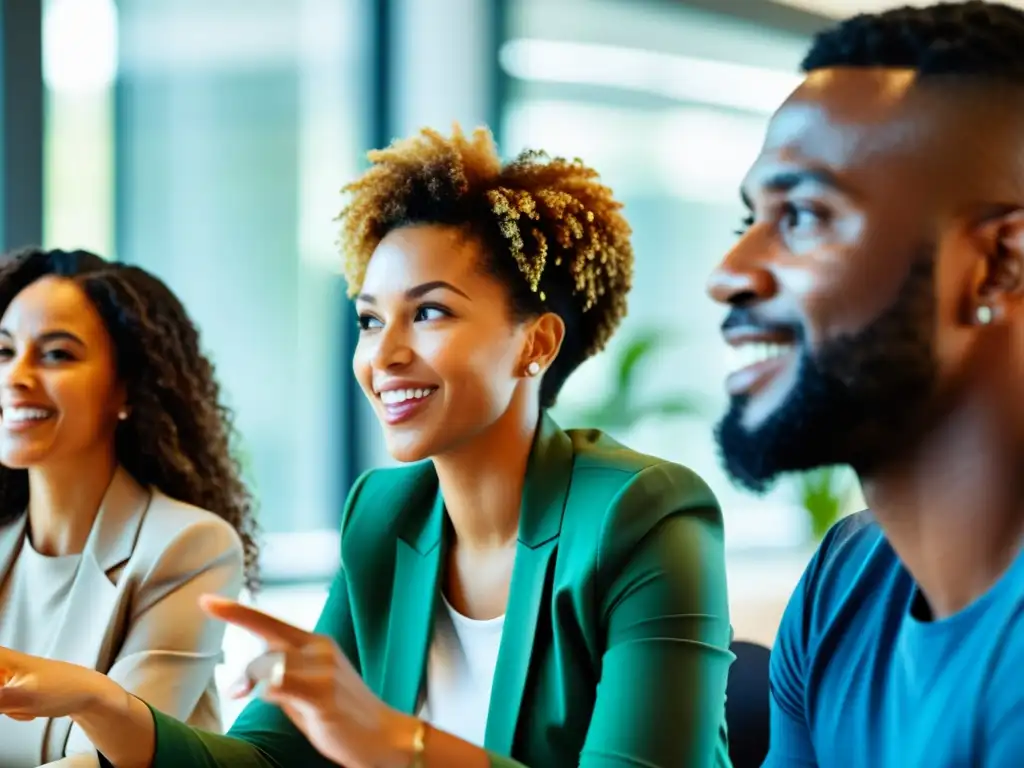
<point x="544" y="339"/>
<point x="997" y="286"/>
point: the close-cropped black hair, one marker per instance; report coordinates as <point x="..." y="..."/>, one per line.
<point x="178" y="435"/>
<point x="975" y="39"/>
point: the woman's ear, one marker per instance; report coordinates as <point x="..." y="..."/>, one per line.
<point x="123" y="410"/>
<point x="543" y="341"/>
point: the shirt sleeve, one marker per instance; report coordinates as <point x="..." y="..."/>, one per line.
<point x="661" y="698"/>
<point x="790" y="743"/>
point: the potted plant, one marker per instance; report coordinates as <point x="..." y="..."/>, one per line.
<point x="623" y="407"/>
<point x="826" y="495"/>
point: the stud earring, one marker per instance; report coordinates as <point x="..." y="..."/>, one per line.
<point x="533" y="368"/>
<point x="984" y="314"/>
<point x="122" y="414"/>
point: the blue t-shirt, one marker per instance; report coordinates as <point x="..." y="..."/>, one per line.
<point x="857" y="680"/>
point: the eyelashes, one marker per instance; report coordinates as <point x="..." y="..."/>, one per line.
<point x="424" y="313"/>
<point x="793" y="218"/>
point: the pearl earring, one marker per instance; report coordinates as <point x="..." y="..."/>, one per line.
<point x="984" y="314"/>
<point x="533" y="368"/>
<point x="122" y="414"/>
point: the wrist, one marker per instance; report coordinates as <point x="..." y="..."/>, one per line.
<point x="119" y="725"/>
<point x="404" y="739"/>
<point x="99" y="695"/>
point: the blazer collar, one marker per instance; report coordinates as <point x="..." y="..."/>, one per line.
<point x="112" y="538"/>
<point x="94" y="598"/>
<point x="548" y="476"/>
<point x="416" y="587"/>
<point x="11" y="537"/>
<point x="547" y="484"/>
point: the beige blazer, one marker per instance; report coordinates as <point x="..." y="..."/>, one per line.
<point x="133" y="610"/>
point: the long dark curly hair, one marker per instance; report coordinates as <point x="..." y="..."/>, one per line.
<point x="179" y="437"/>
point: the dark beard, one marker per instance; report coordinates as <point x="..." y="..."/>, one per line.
<point x="857" y="401"/>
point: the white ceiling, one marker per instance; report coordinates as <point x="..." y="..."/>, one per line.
<point x="843" y="8"/>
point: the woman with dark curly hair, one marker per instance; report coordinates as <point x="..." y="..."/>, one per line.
<point x="516" y="594"/>
<point x="113" y="446"/>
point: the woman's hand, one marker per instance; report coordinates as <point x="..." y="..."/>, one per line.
<point x="309" y="677"/>
<point x="32" y="687"/>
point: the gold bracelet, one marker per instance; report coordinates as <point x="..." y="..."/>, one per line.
<point x="419" y="745"/>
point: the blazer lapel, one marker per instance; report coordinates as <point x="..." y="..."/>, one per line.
<point x="547" y="485"/>
<point x="82" y="636"/>
<point x="94" y="596"/>
<point x="418" y="558"/>
<point x="12" y="536"/>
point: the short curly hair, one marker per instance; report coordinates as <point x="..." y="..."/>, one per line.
<point x="977" y="39"/>
<point x="178" y="438"/>
<point x="552" y="232"/>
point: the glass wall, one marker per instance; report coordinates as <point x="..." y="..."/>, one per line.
<point x="79" y="70"/>
<point x="670" y="105"/>
<point x="208" y="145"/>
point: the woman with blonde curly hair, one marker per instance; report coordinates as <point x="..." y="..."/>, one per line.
<point x="515" y="594"/>
<point x="120" y="502"/>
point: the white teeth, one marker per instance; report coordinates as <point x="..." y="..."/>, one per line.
<point x="396" y="396"/>
<point x="746" y="355"/>
<point x="18" y="415"/>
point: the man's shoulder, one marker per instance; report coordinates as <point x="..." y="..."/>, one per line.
<point x="847" y="582"/>
<point x="854" y="550"/>
<point x="853" y="566"/>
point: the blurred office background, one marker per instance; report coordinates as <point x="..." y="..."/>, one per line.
<point x="207" y="141"/>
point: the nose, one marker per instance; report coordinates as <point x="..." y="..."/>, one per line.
<point x="393" y="349"/>
<point x="740" y="280"/>
<point x="17" y="374"/>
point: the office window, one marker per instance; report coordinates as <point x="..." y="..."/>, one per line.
<point x="207" y="142"/>
<point x="670" y="105"/>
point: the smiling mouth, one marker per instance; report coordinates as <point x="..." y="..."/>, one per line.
<point x="21" y="417"/>
<point x="757" y="360"/>
<point x="401" y="405"/>
<point x="396" y="397"/>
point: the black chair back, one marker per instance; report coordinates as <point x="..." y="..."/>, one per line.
<point x="746" y="705"/>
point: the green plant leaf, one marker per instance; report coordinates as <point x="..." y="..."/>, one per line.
<point x="620" y="410"/>
<point x="674" y="406"/>
<point x="823" y="494"/>
<point x="634" y="353"/>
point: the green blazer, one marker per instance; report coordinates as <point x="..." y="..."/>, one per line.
<point x="615" y="649"/>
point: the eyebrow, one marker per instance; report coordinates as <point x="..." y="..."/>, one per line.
<point x="50" y="336"/>
<point x="785" y="181"/>
<point x="419" y="291"/>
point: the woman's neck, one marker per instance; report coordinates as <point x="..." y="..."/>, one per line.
<point x="63" y="501"/>
<point x="482" y="481"/>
